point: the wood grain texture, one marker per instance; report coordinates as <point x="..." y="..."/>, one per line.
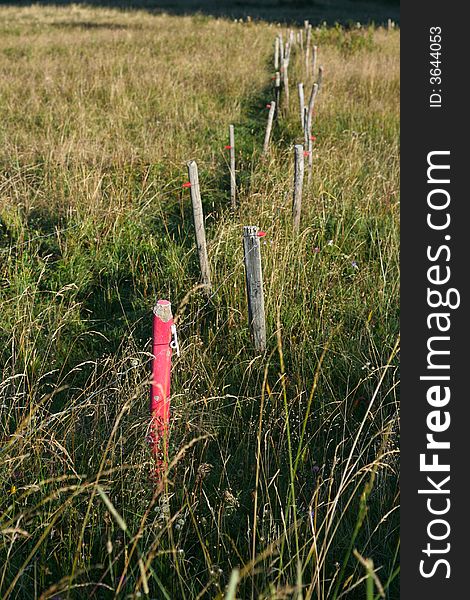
<point x="199" y="228"/>
<point x="254" y="286"/>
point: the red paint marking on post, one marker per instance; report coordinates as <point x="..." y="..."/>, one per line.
<point x="268" y="106"/>
<point x="187" y="184"/>
<point x="261" y="233"/>
<point x="306" y="152"/>
<point x="160" y="386"/>
<point x="228" y="147"/>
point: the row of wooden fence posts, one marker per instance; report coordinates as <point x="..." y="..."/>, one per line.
<point x="252" y="258"/>
<point x="164" y="330"/>
<point x="300" y="151"/>
<point x="310" y="64"/>
<point x="281" y="67"/>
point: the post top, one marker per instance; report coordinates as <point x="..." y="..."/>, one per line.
<point x="250" y="229"/>
<point x="162" y="310"/>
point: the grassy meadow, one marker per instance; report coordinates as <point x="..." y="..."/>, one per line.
<point x="283" y="476"/>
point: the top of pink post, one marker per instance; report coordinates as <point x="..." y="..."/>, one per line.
<point x="163" y="310"/>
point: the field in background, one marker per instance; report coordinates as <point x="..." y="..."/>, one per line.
<point x="284" y="464"/>
<point x="284" y="11"/>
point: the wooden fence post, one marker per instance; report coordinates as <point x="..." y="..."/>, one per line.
<point x="287" y="48"/>
<point x="298" y="184"/>
<point x="269" y="126"/>
<point x="277" y="92"/>
<point x="307" y="47"/>
<point x="233" y="180"/>
<point x="281" y="49"/>
<point x="311" y="106"/>
<point x="305" y="126"/>
<point x="314" y="61"/>
<point x="276" y="54"/>
<point x="285" y="77"/>
<point x="200" y="231"/>
<point x="254" y="286"/>
<point x="300" y="87"/>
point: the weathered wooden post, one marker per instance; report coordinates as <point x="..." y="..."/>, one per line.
<point x="281" y="49"/>
<point x="298" y="184"/>
<point x="305" y="126"/>
<point x="233" y="180"/>
<point x="300" y="88"/>
<point x="307" y="141"/>
<point x="276" y="54"/>
<point x="277" y="93"/>
<point x="311" y="106"/>
<point x="285" y="77"/>
<point x="269" y="126"/>
<point x="254" y="286"/>
<point x="307" y="47"/>
<point x="200" y="231"/>
<point x="287" y="53"/>
<point x="314" y="61"/>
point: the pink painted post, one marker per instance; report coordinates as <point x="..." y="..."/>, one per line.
<point x="160" y="386"/>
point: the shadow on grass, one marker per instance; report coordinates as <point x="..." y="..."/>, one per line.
<point x="285" y="11"/>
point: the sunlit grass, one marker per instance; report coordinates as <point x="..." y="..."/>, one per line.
<point x="283" y="466"/>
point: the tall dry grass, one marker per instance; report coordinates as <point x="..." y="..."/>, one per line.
<point x="283" y="473"/>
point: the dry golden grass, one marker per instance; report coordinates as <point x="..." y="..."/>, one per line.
<point x="283" y="464"/>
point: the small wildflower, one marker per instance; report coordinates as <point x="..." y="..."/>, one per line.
<point x="354" y="265"/>
<point x="330" y="242"/>
<point x="316" y="250"/>
<point x="13" y="490"/>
